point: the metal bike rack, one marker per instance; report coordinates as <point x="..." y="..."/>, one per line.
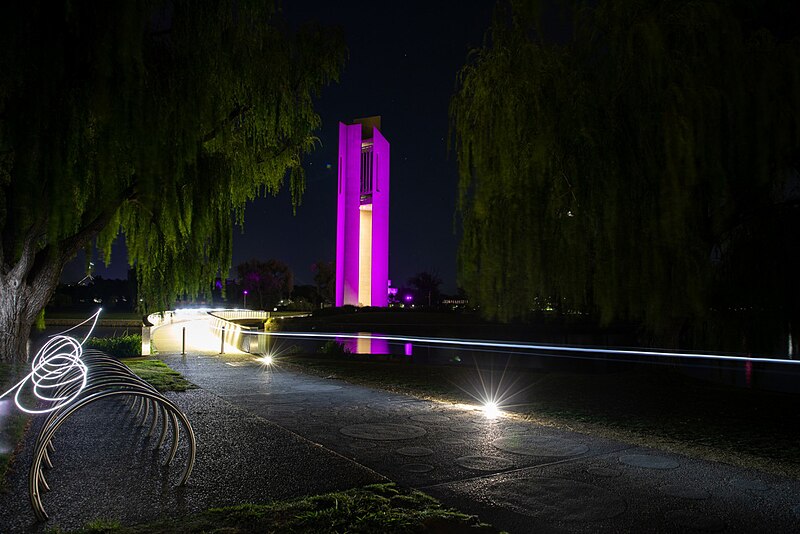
<point x="107" y="378"/>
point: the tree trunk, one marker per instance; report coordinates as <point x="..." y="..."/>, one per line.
<point x="22" y="297"/>
<point x="16" y="319"/>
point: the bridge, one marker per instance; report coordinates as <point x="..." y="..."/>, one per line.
<point x="209" y="330"/>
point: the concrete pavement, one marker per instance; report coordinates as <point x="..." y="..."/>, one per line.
<point x="519" y="476"/>
<point x="105" y="467"/>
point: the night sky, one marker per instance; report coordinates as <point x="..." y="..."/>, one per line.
<point x="403" y="61"/>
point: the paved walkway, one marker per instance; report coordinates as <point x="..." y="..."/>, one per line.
<point x="267" y="433"/>
<point x="521" y="477"/>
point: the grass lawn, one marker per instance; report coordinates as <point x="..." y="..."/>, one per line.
<point x="158" y="374"/>
<point x="383" y="508"/>
<point x="659" y="408"/>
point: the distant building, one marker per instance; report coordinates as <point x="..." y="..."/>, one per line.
<point x="362" y="226"/>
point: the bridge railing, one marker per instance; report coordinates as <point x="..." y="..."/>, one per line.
<point x="233" y="334"/>
<point x="246" y="339"/>
<point x="240" y="314"/>
<point x="224" y="324"/>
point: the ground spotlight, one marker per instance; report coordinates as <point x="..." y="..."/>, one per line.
<point x="266" y="359"/>
<point x="491" y="410"/>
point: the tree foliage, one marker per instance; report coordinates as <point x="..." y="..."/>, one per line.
<point x="646" y="169"/>
<point x="267" y="282"/>
<point x="153" y="119"/>
<point x="426" y="286"/>
<point x="325" y="280"/>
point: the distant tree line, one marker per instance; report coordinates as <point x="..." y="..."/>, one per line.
<point x="270" y="283"/>
<point x="111" y="294"/>
<point x="643" y="169"/>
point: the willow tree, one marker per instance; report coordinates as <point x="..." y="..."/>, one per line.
<point x="155" y="119"/>
<point x="636" y="170"/>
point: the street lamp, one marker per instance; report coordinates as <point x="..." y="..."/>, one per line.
<point x="245" y="298"/>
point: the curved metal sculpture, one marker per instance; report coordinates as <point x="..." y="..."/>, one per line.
<point x="70" y="379"/>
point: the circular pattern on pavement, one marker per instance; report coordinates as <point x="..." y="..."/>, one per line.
<point x="415" y="451"/>
<point x="363" y="416"/>
<point x="321" y="414"/>
<point x="418" y="468"/>
<point x="532" y="445"/>
<point x="316" y="388"/>
<point x="749" y="484"/>
<point x="604" y="472"/>
<point x="453" y="441"/>
<point x="688" y="520"/>
<point x="557" y="500"/>
<point x="484" y="463"/>
<point x="285" y="410"/>
<point x="515" y="429"/>
<point x="648" y="461"/>
<point x="273" y="398"/>
<point x="382" y="431"/>
<point x="483" y="419"/>
<point x="685" y="492"/>
<point x="465" y="427"/>
<point x="430" y="418"/>
<point x="362" y="445"/>
<point x="381" y="405"/>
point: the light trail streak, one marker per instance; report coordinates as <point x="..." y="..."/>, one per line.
<point x="558" y="349"/>
<point x="57" y="364"/>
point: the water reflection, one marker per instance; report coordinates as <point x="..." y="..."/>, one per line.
<point x="365" y="344"/>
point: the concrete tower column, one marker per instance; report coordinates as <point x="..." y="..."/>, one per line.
<point x="362" y="225"/>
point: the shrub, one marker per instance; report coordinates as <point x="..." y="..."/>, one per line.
<point x="120" y="346"/>
<point x="39" y="324"/>
<point x="334" y="348"/>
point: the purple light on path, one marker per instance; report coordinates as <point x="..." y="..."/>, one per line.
<point x="245" y="292"/>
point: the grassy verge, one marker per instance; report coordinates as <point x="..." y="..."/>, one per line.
<point x="656" y="408"/>
<point x="158" y="374"/>
<point x="383" y="508"/>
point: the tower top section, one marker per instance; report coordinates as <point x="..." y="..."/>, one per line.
<point x="367" y="125"/>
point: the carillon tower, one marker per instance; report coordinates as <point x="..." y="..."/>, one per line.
<point x="362" y="225"/>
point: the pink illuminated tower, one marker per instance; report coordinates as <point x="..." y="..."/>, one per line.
<point x="362" y="225"/>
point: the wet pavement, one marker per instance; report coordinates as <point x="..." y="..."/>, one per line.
<point x="519" y="476"/>
<point x="267" y="433"/>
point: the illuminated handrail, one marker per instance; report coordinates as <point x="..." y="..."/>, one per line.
<point x="240" y="314"/>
